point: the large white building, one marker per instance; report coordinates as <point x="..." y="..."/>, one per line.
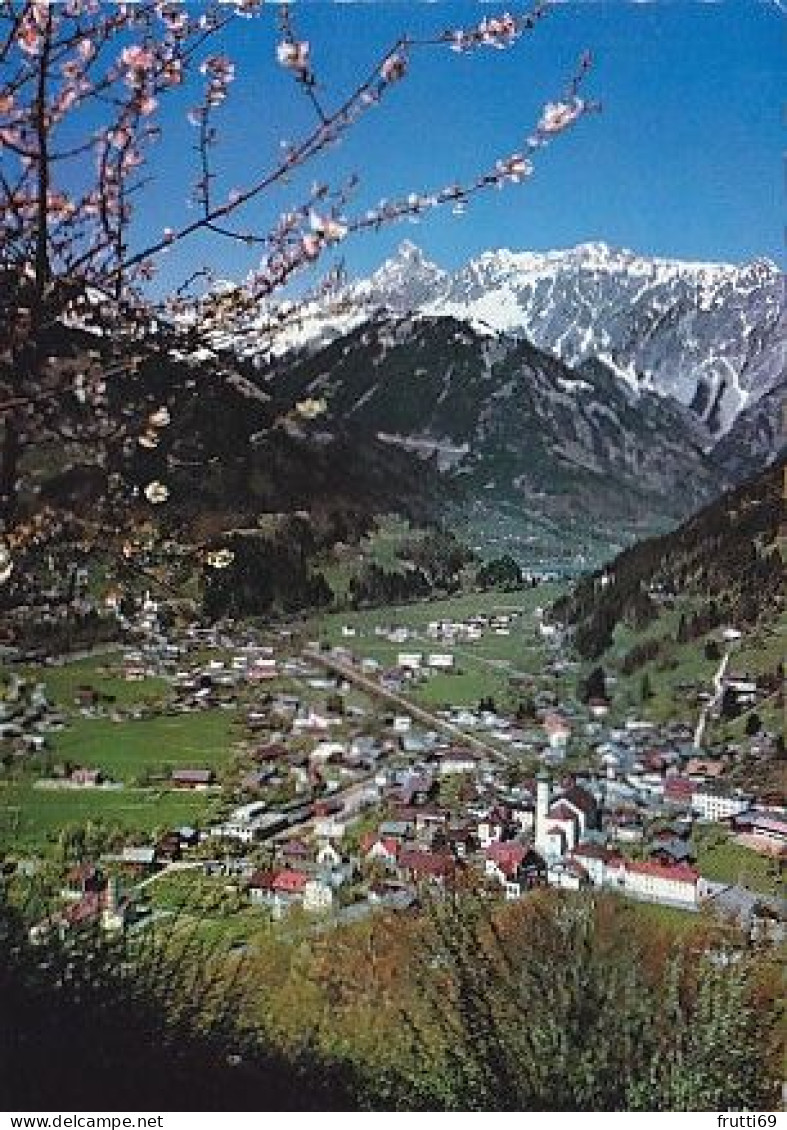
<point x="712" y="804"/>
<point x="249" y="823"/>
<point x="655" y="882"/>
<point x="562" y="825"/>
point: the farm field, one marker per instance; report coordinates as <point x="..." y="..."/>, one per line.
<point x="99" y="671"/>
<point x="124" y="750"/>
<point x="483" y="667"/>
<point x="128" y="751"/>
<point x="722" y="860"/>
<point x="30" y="817"/>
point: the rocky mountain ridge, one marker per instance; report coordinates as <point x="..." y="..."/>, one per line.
<point x="711" y="336"/>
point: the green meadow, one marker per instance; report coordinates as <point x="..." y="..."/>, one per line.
<point x="482" y="667"/>
<point x="30" y="817"/>
<point x="124" y="750"/>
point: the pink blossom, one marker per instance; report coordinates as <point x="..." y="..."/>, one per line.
<point x="136" y="58"/>
<point x="146" y="105"/>
<point x="172" y="73"/>
<point x="173" y="16"/>
<point x="329" y="229"/>
<point x="6" y="103"/>
<point x="156" y="492"/>
<point x="311" y="245"/>
<point x="66" y="100"/>
<point x="515" y="168"/>
<point x="119" y="137"/>
<point x="394" y="68"/>
<point x="335" y="231"/>
<point x="40" y="11"/>
<point x="59" y="206"/>
<point x="86" y="50"/>
<point x="131" y="159"/>
<point x="29" y="38"/>
<point x="294" y="56"/>
<point x="218" y="67"/>
<point x="558" y="116"/>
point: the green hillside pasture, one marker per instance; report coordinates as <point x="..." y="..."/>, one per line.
<point x="758" y="652"/>
<point x="483" y="667"/>
<point x="420" y="613"/>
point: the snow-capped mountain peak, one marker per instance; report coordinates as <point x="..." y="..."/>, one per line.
<point x="407" y="272"/>
<point x="712" y="335"/>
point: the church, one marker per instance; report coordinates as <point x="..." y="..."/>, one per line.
<point x="562" y="823"/>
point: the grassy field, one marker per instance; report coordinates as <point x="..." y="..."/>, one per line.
<point x="129" y="747"/>
<point x="125" y="749"/>
<point x="723" y="861"/>
<point x="483" y="667"/>
<point x="670" y="918"/>
<point x="420" y="613"/>
<point x="29" y="816"/>
<point x="100" y="672"/>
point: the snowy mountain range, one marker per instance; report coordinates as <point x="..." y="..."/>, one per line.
<point x="712" y="336"/>
<point x="578" y="399"/>
<point x="554" y="462"/>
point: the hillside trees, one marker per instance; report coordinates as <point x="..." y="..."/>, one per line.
<point x="594" y="686"/>
<point x="725" y="559"/>
<point x="558" y="1009"/>
<point x="502" y="572"/>
<point x="83" y="88"/>
<point x="556" y="1003"/>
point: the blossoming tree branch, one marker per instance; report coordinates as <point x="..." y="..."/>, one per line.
<point x="82" y="85"/>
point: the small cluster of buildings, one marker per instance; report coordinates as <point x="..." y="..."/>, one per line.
<point x="27" y="716"/>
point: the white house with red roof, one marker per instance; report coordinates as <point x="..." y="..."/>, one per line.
<point x="277" y="889"/>
<point x="384" y="848"/>
<point x="679" y="884"/>
<point x="502" y="861"/>
<point x="515" y="865"/>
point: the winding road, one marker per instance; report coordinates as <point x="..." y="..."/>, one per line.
<point x="718" y="688"/>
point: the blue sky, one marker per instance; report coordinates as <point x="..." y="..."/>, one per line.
<point x="685" y="160"/>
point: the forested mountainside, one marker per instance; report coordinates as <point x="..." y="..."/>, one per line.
<point x="227" y="465"/>
<point x="729" y="554"/>
<point x="512" y="426"/>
